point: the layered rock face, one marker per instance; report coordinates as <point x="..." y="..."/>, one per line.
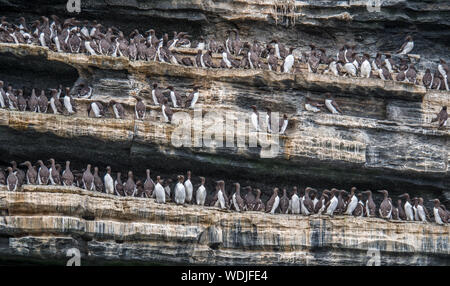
<point x="107" y="229"/>
<point x="383" y="140"/>
<point x="385" y="130"/>
<point x="328" y="24"/>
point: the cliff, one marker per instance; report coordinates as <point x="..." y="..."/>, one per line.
<point x="328" y="24"/>
<point x="383" y="139"/>
<point x="45" y="222"/>
<point x="385" y="129"/>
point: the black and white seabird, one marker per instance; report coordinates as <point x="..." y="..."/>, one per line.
<point x="349" y="53"/>
<point x="33" y="102"/>
<point x="180" y="191"/>
<point x="376" y="63"/>
<point x="280" y="50"/>
<point x="90" y="45"/>
<point x="408" y="207"/>
<point x="288" y="61"/>
<point x="12" y="99"/>
<point x="118" y="109"/>
<point x="340" y="56"/>
<point x="444" y="71"/>
<point x="149" y="184"/>
<point x="31" y="174"/>
<point x="441" y="117"/>
<point x="407" y="46"/>
<point x="384" y="72"/>
<point x="67" y="177"/>
<point x="21" y="101"/>
<point x="411" y="74"/>
<point x="118" y="186"/>
<point x="19" y="173"/>
<point x="3" y="97"/>
<point x="74" y="41"/>
<point x="139" y="109"/>
<point x="401" y="76"/>
<point x="389" y="62"/>
<point x="199" y="60"/>
<point x="109" y="181"/>
<point x="313" y="194"/>
<point x="129" y="187"/>
<point x="188" y="188"/>
<point x="159" y="192"/>
<point x="341" y="204"/>
<point x="259" y="205"/>
<point x="55" y="103"/>
<point x="427" y="79"/>
<point x="88" y="179"/>
<point x="192" y="98"/>
<point x="11" y="181"/>
<point x="394" y="215"/>
<point x="174" y="97"/>
<point x="254" y="118"/>
<point x="69" y="103"/>
<point x="238" y="202"/>
<point x="401" y="211"/>
<point x="415" y="204"/>
<point x="295" y="202"/>
<point x="157" y="95"/>
<point x="98" y="183"/>
<point x="55" y="177"/>
<point x="43" y="173"/>
<point x="422" y="211"/>
<point x="227" y="61"/>
<point x="167" y="189"/>
<point x="366" y="69"/>
<point x="332" y="204"/>
<point x="166" y="111"/>
<point x="283" y="124"/>
<point x="272" y="60"/>
<point x="313" y="106"/>
<point x="437" y="82"/>
<point x="218" y="199"/>
<point x="97" y="108"/>
<point x="249" y="198"/>
<point x="132" y="50"/>
<point x="350" y="68"/>
<point x="331" y="104"/>
<point x="370" y="204"/>
<point x="268" y="119"/>
<point x="236" y="43"/>
<point x="307" y="204"/>
<point x="440" y="215"/>
<point x="352" y="202"/>
<point x="253" y="59"/>
<point x="320" y="207"/>
<point x="386" y="207"/>
<point x="359" y="210"/>
<point x="273" y="203"/>
<point x="284" y="202"/>
<point x="313" y="60"/>
<point x="200" y="194"/>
